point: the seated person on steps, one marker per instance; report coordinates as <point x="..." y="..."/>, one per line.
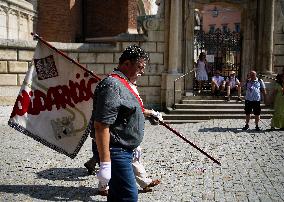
<point x="232" y="84"/>
<point x="217" y="83"/>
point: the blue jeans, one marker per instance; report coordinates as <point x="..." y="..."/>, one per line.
<point x="122" y="185"/>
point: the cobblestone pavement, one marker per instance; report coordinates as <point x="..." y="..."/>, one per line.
<point x="252" y="165"/>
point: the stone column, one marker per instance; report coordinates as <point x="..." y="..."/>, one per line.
<point x="174" y="37"/>
<point x="268" y="37"/>
<point x="250" y="52"/>
<point x="173" y="13"/>
<point x="189" y="41"/>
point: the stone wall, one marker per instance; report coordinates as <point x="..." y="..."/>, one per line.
<point x="15" y="57"/>
<point x="14" y="61"/>
<point x="279" y="36"/>
<point x="16" y="19"/>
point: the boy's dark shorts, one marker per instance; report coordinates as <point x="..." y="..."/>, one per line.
<point x="252" y="106"/>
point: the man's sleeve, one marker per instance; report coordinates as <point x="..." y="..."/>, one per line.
<point x="107" y="103"/>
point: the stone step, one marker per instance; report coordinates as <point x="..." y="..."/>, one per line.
<point x="204" y="107"/>
<point x="213" y="111"/>
<point x="208" y="97"/>
<point x="210" y="102"/>
<point x="187" y="117"/>
<point x="230" y="105"/>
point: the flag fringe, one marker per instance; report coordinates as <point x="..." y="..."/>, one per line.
<point x="48" y="144"/>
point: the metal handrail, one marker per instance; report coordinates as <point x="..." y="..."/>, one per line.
<point x="174" y="106"/>
<point x="267" y="77"/>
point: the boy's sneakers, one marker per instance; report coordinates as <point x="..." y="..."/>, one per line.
<point x="257" y="128"/>
<point x="246" y="127"/>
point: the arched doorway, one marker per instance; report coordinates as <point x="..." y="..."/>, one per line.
<point x="238" y="46"/>
<point x="218" y="34"/>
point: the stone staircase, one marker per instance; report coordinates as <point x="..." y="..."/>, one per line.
<point x="193" y="109"/>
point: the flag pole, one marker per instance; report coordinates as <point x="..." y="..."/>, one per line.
<point x="36" y="36"/>
<point x="186" y="140"/>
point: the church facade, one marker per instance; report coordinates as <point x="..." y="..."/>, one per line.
<point x="96" y="32"/>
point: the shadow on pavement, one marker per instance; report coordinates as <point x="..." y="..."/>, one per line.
<point x="234" y="130"/>
<point x="53" y="193"/>
<point x="66" y="174"/>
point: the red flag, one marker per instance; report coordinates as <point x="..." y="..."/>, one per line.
<point x="54" y="104"/>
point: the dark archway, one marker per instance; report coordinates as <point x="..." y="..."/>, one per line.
<point x="219" y="36"/>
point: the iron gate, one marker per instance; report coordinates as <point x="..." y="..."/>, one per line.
<point x="223" y="50"/>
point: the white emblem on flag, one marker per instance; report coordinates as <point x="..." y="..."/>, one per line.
<point x="63" y="127"/>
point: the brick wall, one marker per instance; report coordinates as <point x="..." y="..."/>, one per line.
<point x="70" y="20"/>
<point x="279" y="37"/>
<point x="109" y="18"/>
<point x="132" y="14"/>
<point x="59" y="20"/>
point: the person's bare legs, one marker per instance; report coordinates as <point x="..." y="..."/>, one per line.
<point x="256" y="119"/>
<point x="200" y="85"/>
<point x="239" y="90"/>
<point x="228" y="90"/>
<point x="247" y="118"/>
<point x="247" y="122"/>
<point x="222" y="88"/>
<point x="213" y="87"/>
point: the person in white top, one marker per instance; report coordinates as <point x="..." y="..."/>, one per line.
<point x="233" y="83"/>
<point x="201" y="71"/>
<point x="217" y="83"/>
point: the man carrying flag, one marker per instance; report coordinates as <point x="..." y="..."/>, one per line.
<point x="119" y="124"/>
